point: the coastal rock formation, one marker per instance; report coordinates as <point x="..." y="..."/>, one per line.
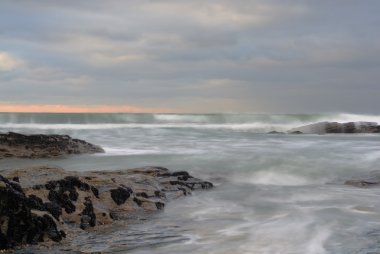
<point x="43" y="146"/>
<point x="19" y="223"/>
<point x="334" y="127"/>
<point x="275" y="132"/>
<point x="41" y="202"/>
<point x="372" y="180"/>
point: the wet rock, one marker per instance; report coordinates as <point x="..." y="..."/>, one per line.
<point x="275" y="132"/>
<point x="371" y="180"/>
<point x="138" y="201"/>
<point x="35" y="202"/>
<point x="54" y="209"/>
<point x="334" y="127"/>
<point x="361" y="183"/>
<point x="142" y="194"/>
<point x="63" y="200"/>
<point x="86" y="200"/>
<point x="95" y="191"/>
<point x="120" y="195"/>
<point x="43" y="146"/>
<point x="88" y="218"/>
<point x="160" y="205"/>
<point x="19" y="224"/>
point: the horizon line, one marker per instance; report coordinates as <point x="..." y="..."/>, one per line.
<point x="61" y="108"/>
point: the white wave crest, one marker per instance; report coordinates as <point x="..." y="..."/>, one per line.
<point x="258" y="123"/>
<point x="275" y="178"/>
<point x="181" y="118"/>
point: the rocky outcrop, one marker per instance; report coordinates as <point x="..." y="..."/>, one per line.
<point x="372" y="180"/>
<point x="362" y="183"/>
<point x="43" y="146"/>
<point x="41" y="202"/>
<point x="19" y="222"/>
<point x="334" y="127"/>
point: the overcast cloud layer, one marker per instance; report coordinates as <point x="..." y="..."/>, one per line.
<point x="193" y="56"/>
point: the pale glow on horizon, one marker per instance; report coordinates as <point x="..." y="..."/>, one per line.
<point x="60" y="108"/>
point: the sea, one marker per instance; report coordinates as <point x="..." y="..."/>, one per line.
<point x="274" y="193"/>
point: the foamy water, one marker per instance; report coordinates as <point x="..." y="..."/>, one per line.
<point x="259" y="123"/>
<point x="273" y="193"/>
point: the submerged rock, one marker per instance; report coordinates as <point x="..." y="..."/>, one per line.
<point x="46" y="200"/>
<point x="372" y="180"/>
<point x="362" y="183"/>
<point x="296" y="132"/>
<point x="334" y="127"/>
<point x="275" y="132"/>
<point x="43" y="146"/>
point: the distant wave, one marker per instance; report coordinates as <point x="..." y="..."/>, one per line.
<point x="240" y="122"/>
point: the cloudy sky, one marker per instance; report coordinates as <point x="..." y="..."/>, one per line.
<point x="190" y="56"/>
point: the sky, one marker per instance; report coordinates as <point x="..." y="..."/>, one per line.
<point x="279" y="56"/>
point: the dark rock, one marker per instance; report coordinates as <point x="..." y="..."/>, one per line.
<point x="142" y="194"/>
<point x="137" y="201"/>
<point x="157" y="193"/>
<point x="73" y="181"/>
<point x="15" y="186"/>
<point x="62" y="199"/>
<point x="50" y="227"/>
<point x="178" y="183"/>
<point x="88" y="218"/>
<point x="35" y="202"/>
<point x="53" y="208"/>
<point x="206" y="185"/>
<point x="180" y="173"/>
<point x="18" y="224"/>
<point x="371" y="180"/>
<point x="42" y="146"/>
<point x="361" y="183"/>
<point x="83" y="201"/>
<point x="120" y="195"/>
<point x="37" y="187"/>
<point x="334" y="127"/>
<point x="177" y="173"/>
<point x="64" y="191"/>
<point x="95" y="191"/>
<point x="160" y="205"/>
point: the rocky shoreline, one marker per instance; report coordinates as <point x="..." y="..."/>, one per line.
<point x="49" y="204"/>
<point x="43" y="204"/>
<point x="335" y="127"/>
<point x="43" y="146"/>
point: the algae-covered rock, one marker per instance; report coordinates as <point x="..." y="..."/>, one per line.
<point x="46" y="197"/>
<point x="19" y="223"/>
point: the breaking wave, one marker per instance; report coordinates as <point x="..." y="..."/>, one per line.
<point x="233" y="121"/>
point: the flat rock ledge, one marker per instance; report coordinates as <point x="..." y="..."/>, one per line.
<point x="334" y="127"/>
<point x="45" y="204"/>
<point x="43" y="146"/>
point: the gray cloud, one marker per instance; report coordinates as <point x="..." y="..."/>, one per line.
<point x="272" y="55"/>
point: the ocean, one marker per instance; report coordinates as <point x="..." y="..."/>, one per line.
<point x="274" y="193"/>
